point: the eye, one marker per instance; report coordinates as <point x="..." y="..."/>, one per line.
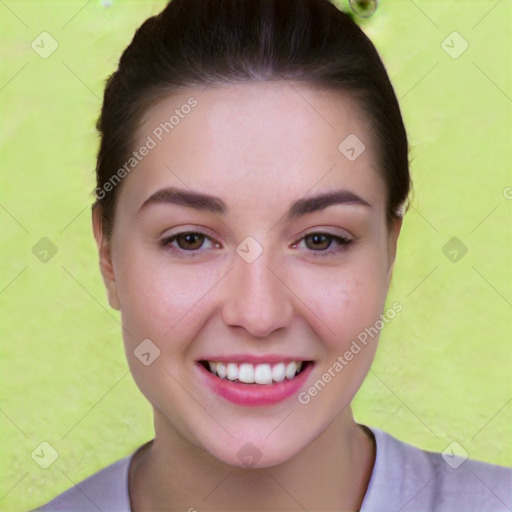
<point x="320" y="242"/>
<point x="188" y="243"/>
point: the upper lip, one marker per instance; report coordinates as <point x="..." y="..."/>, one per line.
<point x="254" y="359"/>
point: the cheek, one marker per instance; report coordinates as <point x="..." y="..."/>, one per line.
<point x="342" y="301"/>
<point x="158" y="298"/>
<point x="163" y="303"/>
<point x="345" y="305"/>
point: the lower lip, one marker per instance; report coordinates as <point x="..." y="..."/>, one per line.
<point x="253" y="394"/>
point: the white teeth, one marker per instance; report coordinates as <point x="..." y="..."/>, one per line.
<point x="221" y="370"/>
<point x="264" y="373"/>
<point x="232" y="371"/>
<point x="291" y="368"/>
<point x="278" y="372"/>
<point x="246" y="373"/>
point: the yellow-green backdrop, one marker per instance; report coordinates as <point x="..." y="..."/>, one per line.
<point x="442" y="373"/>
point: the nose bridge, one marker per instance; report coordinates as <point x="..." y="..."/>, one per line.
<point x="256" y="297"/>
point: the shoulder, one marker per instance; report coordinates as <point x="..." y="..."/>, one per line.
<point x="106" y="490"/>
<point x="407" y="478"/>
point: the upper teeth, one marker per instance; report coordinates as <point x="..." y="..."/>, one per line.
<point x="260" y="373"/>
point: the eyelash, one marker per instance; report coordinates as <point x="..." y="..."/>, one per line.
<point x="341" y="240"/>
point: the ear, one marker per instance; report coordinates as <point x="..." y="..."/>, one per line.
<point x="105" y="257"/>
<point x="394" y="232"/>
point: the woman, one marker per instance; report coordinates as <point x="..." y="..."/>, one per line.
<point x="251" y="183"/>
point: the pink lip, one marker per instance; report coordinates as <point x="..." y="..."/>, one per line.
<point x="253" y="394"/>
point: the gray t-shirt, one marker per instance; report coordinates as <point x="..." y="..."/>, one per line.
<point x="404" y="478"/>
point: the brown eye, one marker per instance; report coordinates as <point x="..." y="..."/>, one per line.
<point x="189" y="241"/>
<point x="319" y="241"/>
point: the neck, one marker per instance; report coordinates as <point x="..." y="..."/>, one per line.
<point x="331" y="473"/>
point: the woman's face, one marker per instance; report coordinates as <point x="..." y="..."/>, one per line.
<point x="255" y="289"/>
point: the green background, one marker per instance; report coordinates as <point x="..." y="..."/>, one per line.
<point x="443" y="369"/>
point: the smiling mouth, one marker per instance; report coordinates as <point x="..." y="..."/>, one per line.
<point x="263" y="373"/>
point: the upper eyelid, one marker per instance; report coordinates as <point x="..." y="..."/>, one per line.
<point x="321" y="231"/>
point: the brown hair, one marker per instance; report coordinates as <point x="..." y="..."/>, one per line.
<point x="194" y="42"/>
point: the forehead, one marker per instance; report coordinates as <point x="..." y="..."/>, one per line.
<point x="281" y="139"/>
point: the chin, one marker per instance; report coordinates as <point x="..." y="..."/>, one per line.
<point x="255" y="452"/>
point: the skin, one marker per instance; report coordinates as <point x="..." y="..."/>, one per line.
<point x="258" y="146"/>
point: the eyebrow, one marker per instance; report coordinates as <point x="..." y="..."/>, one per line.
<point x="213" y="204"/>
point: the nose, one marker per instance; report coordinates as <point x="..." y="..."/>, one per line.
<point x="257" y="297"/>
